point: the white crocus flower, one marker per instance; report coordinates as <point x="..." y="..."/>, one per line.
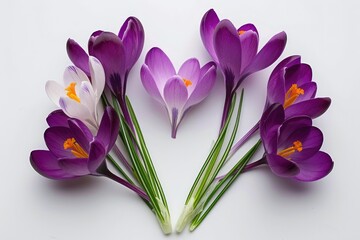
<point x="79" y="96"/>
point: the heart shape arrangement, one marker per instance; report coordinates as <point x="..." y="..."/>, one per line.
<point x="96" y="125"/>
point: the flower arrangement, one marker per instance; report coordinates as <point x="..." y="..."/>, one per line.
<point x="96" y="125"/>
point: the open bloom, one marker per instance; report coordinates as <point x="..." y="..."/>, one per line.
<point x="117" y="53"/>
<point x="177" y="91"/>
<point x="291" y="85"/>
<point x="79" y="97"/>
<point x="292" y="147"/>
<point x="73" y="150"/>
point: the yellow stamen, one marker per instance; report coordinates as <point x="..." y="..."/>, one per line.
<point x="240" y="32"/>
<point x="297" y="146"/>
<point x="292" y="94"/>
<point x="187" y="82"/>
<point x="71" y="92"/>
<point x="76" y="149"/>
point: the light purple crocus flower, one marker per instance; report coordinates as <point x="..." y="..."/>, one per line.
<point x="291" y="85"/>
<point x="176" y="91"/>
<point x="117" y="53"/>
<point x="73" y="150"/>
<point x="292" y="146"/>
<point x="236" y="51"/>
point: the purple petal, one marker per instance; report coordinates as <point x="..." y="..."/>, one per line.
<point x="160" y="66"/>
<point x="109" y="49"/>
<point x="57" y="118"/>
<point x="276" y="89"/>
<point x="190" y="70"/>
<point x="149" y="83"/>
<point x="207" y="28"/>
<point x="46" y="164"/>
<point x="313" y="108"/>
<point x="311" y="139"/>
<point x="314" y="168"/>
<point x="268" y="54"/>
<point x="132" y="36"/>
<point x="248" y="27"/>
<point x="281" y="166"/>
<point x="55" y="138"/>
<point x="249" y="46"/>
<point x="310" y="89"/>
<point x="202" y="88"/>
<point x="269" y="124"/>
<point x="91" y="41"/>
<point x="109" y="129"/>
<point x="228" y="48"/>
<point x="78" y="56"/>
<point x="298" y="74"/>
<point x="81" y="133"/>
<point x="75" y="166"/>
<point x="291" y="125"/>
<point x="96" y="156"/>
<point x="287" y="62"/>
<point x="175" y="93"/>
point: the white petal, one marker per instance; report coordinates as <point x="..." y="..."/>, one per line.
<point x="87" y="97"/>
<point x="54" y="91"/>
<point x="74" y="109"/>
<point x="97" y="76"/>
<point x="74" y="74"/>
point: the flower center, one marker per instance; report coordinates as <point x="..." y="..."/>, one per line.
<point x="286" y="153"/>
<point x="187" y="82"/>
<point x="71" y="92"/>
<point x="292" y="94"/>
<point x="75" y="148"/>
<point x="240" y="32"/>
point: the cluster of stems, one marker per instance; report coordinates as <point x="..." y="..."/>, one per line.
<point x="135" y="167"/>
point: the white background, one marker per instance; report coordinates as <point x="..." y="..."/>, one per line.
<point x="259" y="205"/>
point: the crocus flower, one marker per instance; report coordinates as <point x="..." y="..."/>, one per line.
<point x="73" y="150"/>
<point x="79" y="97"/>
<point x="117" y="53"/>
<point x="176" y="91"/>
<point x="291" y="85"/>
<point x="236" y="50"/>
<point x="292" y="147"/>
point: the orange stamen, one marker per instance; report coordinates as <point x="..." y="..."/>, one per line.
<point x="71" y="92"/>
<point x="292" y="94"/>
<point x="187" y="82"/>
<point x="240" y="32"/>
<point x="76" y="149"/>
<point x="297" y="146"/>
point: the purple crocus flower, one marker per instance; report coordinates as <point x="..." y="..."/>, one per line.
<point x="117" y="53"/>
<point x="236" y="51"/>
<point x="73" y="150"/>
<point x="176" y="91"/>
<point x="292" y="147"/>
<point x="291" y="85"/>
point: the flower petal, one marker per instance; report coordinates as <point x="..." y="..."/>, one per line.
<point x="91" y="41"/>
<point x="228" y="48"/>
<point x="276" y="88"/>
<point x="313" y="107"/>
<point x="249" y="47"/>
<point x="57" y="118"/>
<point x="46" y="164"/>
<point x="78" y="56"/>
<point x="270" y="121"/>
<point x="160" y="66"/>
<point x="54" y="91"/>
<point x="97" y="77"/>
<point x="190" y="70"/>
<point x="314" y="168"/>
<point x="248" y="27"/>
<point x="96" y="156"/>
<point x="281" y="166"/>
<point x="310" y="89"/>
<point x="81" y="133"/>
<point x="55" y="138"/>
<point x="75" y="166"/>
<point x="203" y="87"/>
<point x="268" y="54"/>
<point x="287" y="62"/>
<point x="73" y="74"/>
<point x="207" y="28"/>
<point x="74" y="109"/>
<point x="132" y="36"/>
<point x="149" y="83"/>
<point x="291" y="125"/>
<point x="298" y="74"/>
<point x="109" y="129"/>
<point x="175" y="93"/>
